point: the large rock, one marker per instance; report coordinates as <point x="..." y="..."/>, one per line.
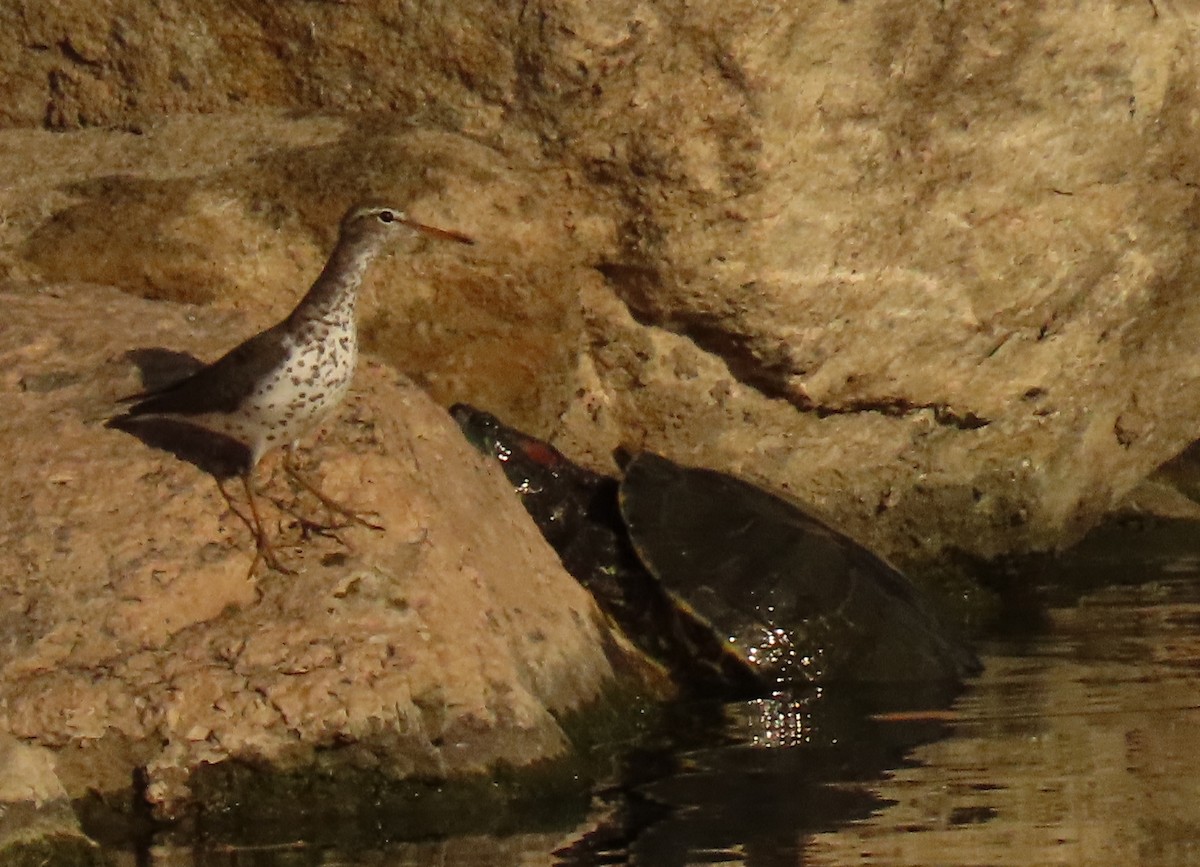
<point x="928" y="266"/>
<point x="37" y="824"/>
<point x="133" y="635"/>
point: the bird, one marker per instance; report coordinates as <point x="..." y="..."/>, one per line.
<point x="274" y="387"/>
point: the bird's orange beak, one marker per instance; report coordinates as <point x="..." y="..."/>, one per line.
<point x="434" y="232"/>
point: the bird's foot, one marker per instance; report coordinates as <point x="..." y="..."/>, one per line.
<point x="310" y="527"/>
<point x="363" y="519"/>
<point x="265" y="553"/>
<point x="264" y="550"/>
<point x="331" y="504"/>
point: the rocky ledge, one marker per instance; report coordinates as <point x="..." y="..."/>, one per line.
<point x="139" y="649"/>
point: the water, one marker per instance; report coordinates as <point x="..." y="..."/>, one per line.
<point x="1077" y="745"/>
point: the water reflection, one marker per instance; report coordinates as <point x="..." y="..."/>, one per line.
<point x="750" y="782"/>
<point x="1077" y="747"/>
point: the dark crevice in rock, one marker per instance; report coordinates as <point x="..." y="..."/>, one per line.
<point x="73" y="54"/>
<point x="635" y="286"/>
<point x="943" y="414"/>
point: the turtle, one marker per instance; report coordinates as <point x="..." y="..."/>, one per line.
<point x="739" y="591"/>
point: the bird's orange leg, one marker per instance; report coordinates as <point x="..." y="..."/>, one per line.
<point x="263" y="548"/>
<point x="289" y="467"/>
<point x="260" y="534"/>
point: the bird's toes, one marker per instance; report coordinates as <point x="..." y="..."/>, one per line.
<point x="274" y="565"/>
<point x="370" y="520"/>
<point x="310" y="528"/>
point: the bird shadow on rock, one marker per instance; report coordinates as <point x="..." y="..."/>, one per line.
<point x="160" y="368"/>
<point x="220" y="456"/>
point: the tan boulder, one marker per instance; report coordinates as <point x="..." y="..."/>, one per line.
<point x="134" y="636"/>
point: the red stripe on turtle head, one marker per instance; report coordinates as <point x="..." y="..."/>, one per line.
<point x="542" y="454"/>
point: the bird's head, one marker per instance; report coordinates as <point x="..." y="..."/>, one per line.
<point x="374" y="223"/>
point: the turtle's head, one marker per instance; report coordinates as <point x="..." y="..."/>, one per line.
<point x="372" y="224"/>
<point x="482" y="430"/>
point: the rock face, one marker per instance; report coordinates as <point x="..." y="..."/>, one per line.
<point x="928" y="266"/>
<point x="36" y="818"/>
<point x="132" y="635"/>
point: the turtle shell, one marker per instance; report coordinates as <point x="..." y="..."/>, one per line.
<point x="798" y="599"/>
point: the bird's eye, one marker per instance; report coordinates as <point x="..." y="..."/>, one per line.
<point x="386" y="216"/>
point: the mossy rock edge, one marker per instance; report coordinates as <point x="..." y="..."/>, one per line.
<point x="330" y="801"/>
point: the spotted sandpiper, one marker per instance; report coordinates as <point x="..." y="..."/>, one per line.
<point x="274" y="387"/>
